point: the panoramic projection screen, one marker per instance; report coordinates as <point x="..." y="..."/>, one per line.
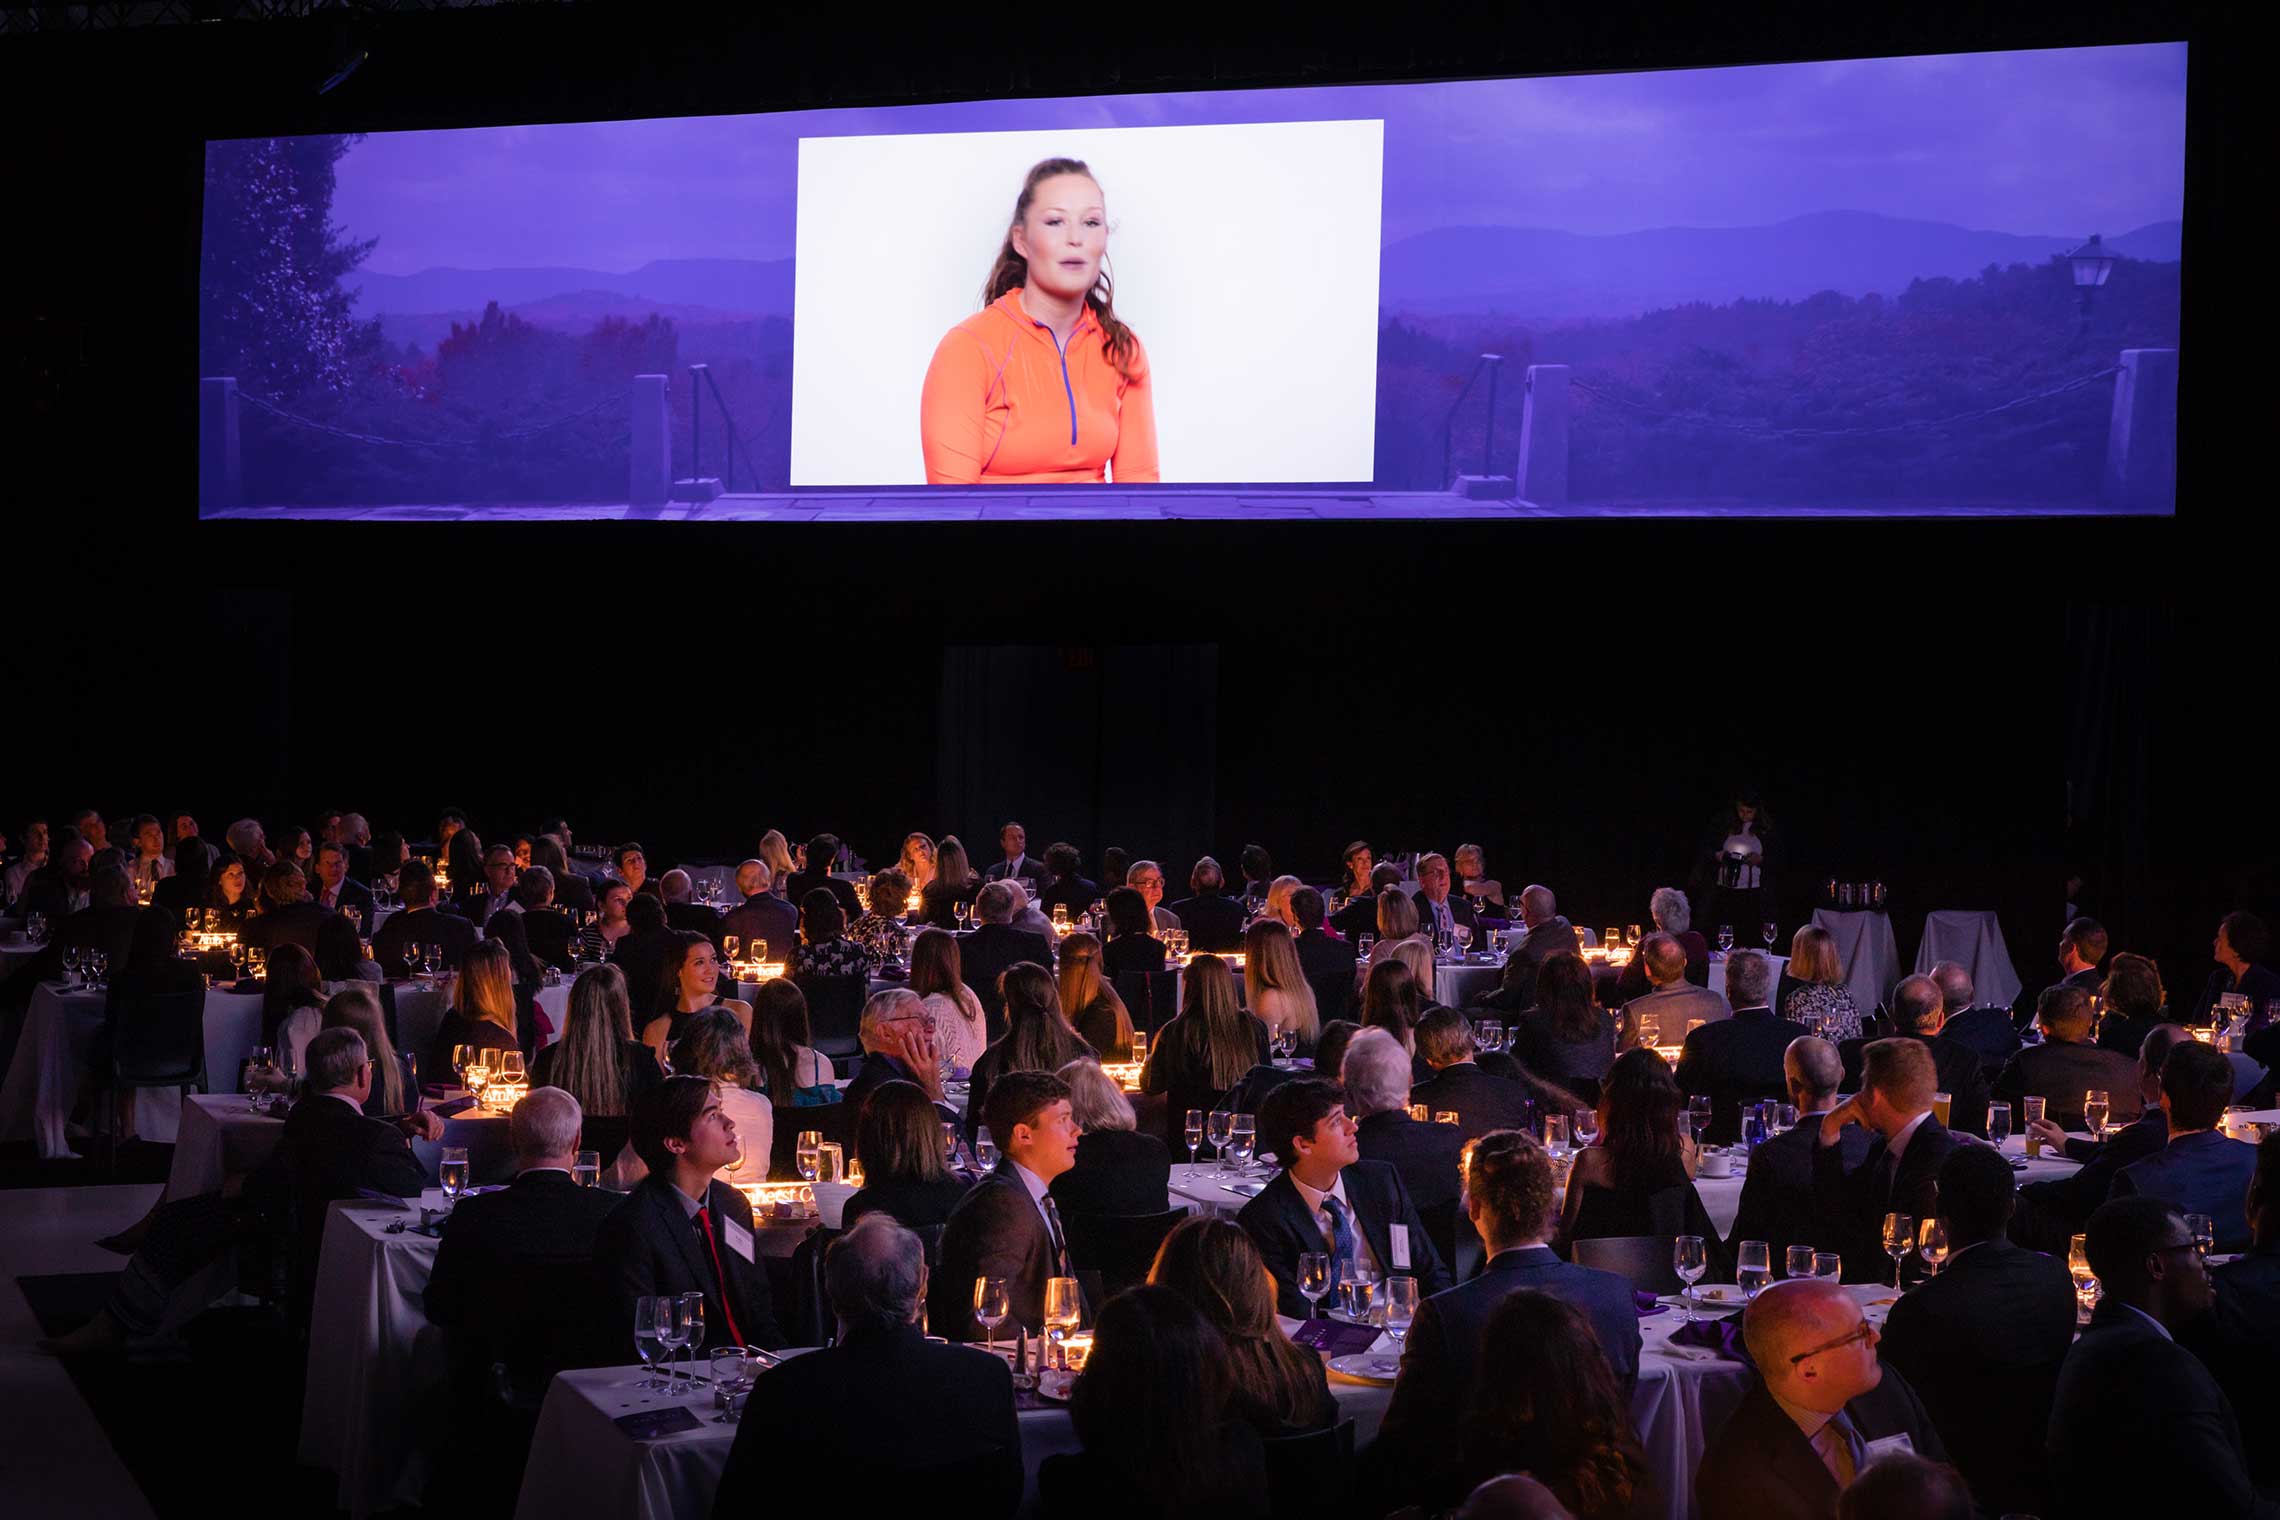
<point x="1925" y="284"/>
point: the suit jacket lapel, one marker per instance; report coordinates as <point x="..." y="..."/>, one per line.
<point x="1295" y="1215"/>
<point x="1370" y="1218"/>
<point x="1787" y="1450"/>
<point x="684" y="1233"/>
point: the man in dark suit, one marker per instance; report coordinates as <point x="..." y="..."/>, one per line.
<point x="2066" y="1065"/>
<point x="683" y="1231"/>
<point x="1918" y="1013"/>
<point x="1737" y="1059"/>
<point x="107" y="923"/>
<point x="642" y="953"/>
<point x="419" y="923"/>
<point x="1008" y="1224"/>
<point x="1326" y="960"/>
<point x="2239" y="1340"/>
<point x="684" y="914"/>
<point x="1213" y="923"/>
<point x="817" y="1421"/>
<point x="1017" y="865"/>
<point x="1480" y="1100"/>
<point x="1982" y="1341"/>
<point x="1069" y="889"/>
<point x="478" y="900"/>
<point x="984" y="954"/>
<point x="2081" y="946"/>
<point x="355" y="838"/>
<point x="1778" y="1204"/>
<point x="2200" y="1170"/>
<point x="1548" y="935"/>
<point x="2054" y="1209"/>
<point x="1327" y="1198"/>
<point x="2138" y="1426"/>
<point x="547" y="930"/>
<point x="897" y="1048"/>
<point x="763" y="919"/>
<point x="1900" y="1173"/>
<point x="1375" y="1074"/>
<point x="287" y="915"/>
<point x="1509" y="1196"/>
<point x="821" y="852"/>
<point x="1820" y="1409"/>
<point x="1437" y="912"/>
<point x="61" y="887"/>
<point x="1987" y="1032"/>
<point x="335" y="891"/>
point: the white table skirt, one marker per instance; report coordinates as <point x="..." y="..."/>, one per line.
<point x="363" y="1377"/>
<point x="1974" y="940"/>
<point x="14" y="951"/>
<point x="1867" y="951"/>
<point x="218" y="1137"/>
<point x="1718" y="973"/>
<point x="51" y="1064"/>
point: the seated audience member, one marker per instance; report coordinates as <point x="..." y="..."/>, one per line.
<point x="947" y="1410"/>
<point x="689" y="983"/>
<point x="938" y="975"/>
<point x="1438" y="913"/>
<point x="1639" y="1178"/>
<point x="1485" y="894"/>
<point x="683" y="913"/>
<point x="1326" y="960"/>
<point x="1155" y="1413"/>
<point x="1356" y="895"/>
<point x="898" y="1137"/>
<point x="1119" y="1171"/>
<point x="2131" y="1002"/>
<point x="916" y="861"/>
<point x="1278" y="1386"/>
<point x="292" y="1004"/>
<point x="1900" y="1172"/>
<point x="1548" y="932"/>
<point x="1737" y="1060"/>
<point x="1327" y="1198"/>
<point x="1672" y="915"/>
<point x="1458" y="1085"/>
<point x="824" y="948"/>
<point x="2200" y="1169"/>
<point x="1562" y="1035"/>
<point x="420" y="923"/>
<point x="334" y="892"/>
<point x="2052" y="1210"/>
<point x="231" y="902"/>
<point x="493" y="889"/>
<point x="1987" y="1032"/>
<point x="1675" y="1002"/>
<point x="1778" y="1204"/>
<point x="613" y="927"/>
<point x="340" y="954"/>
<point x="1016" y="865"/>
<point x="816" y="877"/>
<point x="1147" y="878"/>
<point x="714" y="1045"/>
<point x="287" y="916"/>
<point x="34" y="856"/>
<point x="765" y="925"/>
<point x="1392" y="1000"/>
<point x="571" y="889"/>
<point x="898" y="1046"/>
<point x="1819" y="1400"/>
<point x="1132" y="942"/>
<point x="2239" y="1340"/>
<point x="184" y="892"/>
<point x="1396" y="916"/>
<point x="1008" y="1224"/>
<point x="1555" y="1409"/>
<point x="546" y="928"/>
<point x="997" y="944"/>
<point x="393" y="1097"/>
<point x="1197" y="1058"/>
<point x="682" y="1231"/>
<point x="1813" y="989"/>
<point x="483" y="1009"/>
<point x="1213" y="923"/>
<point x="597" y="1061"/>
<point x="1903" y="1486"/>
<point x="880" y="930"/>
<point x="2240" y="947"/>
<point x="2081" y="946"/>
<point x="2138" y="1426"/>
<point x="1275" y="984"/>
<point x="1510" y="1195"/>
<point x="1069" y="890"/>
<point x="1982" y="1341"/>
<point x="793" y="1074"/>
<point x="1376" y="1078"/>
<point x="644" y="950"/>
<point x="1038" y="1037"/>
<point x="953" y="884"/>
<point x="2066" y="1065"/>
<point x="1919" y="1013"/>
<point x="1092" y="1005"/>
<point x="61" y="887"/>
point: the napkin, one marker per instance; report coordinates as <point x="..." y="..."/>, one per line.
<point x="1644" y="1304"/>
<point x="1724" y="1336"/>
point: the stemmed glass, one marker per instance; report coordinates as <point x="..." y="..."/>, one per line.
<point x="1767" y="929"/>
<point x="71" y="959"/>
<point x="586" y="1171"/>
<point x="1063" y="1314"/>
<point x="807" y="1152"/>
<point x="672" y="1333"/>
<point x="2096" y="1107"/>
<point x="1584" y="1124"/>
<point x="1314" y="1280"/>
<point x="1689" y="1259"/>
<point x="1899" y="1235"/>
<point x="510" y="1067"/>
<point x="410" y="955"/>
<point x="1698" y="1116"/>
<point x="1932" y="1244"/>
<point x="689" y="1327"/>
<point x="1726" y="937"/>
<point x="1463" y="932"/>
<point x="1222" y="1125"/>
<point x="1400" y="1307"/>
<point x="1555" y="1135"/>
<point x="652" y="1325"/>
<point x="1998" y="1124"/>
<point x="1753" y="1266"/>
<point x="993" y="1301"/>
<point x="2204" y="1231"/>
<point x="1242" y="1137"/>
<point x="2087" y="1288"/>
<point x="1489" y="1035"/>
<point x="1631" y="935"/>
<point x="985" y="1148"/>
<point x="1194" y="1133"/>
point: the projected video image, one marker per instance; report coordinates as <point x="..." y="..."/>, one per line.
<point x="1941" y="284"/>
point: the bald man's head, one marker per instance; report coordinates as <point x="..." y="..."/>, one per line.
<point x="1538" y="906"/>
<point x="675" y="885"/>
<point x="1793" y="1329"/>
<point x="1515" y="1496"/>
<point x="1666" y="959"/>
<point x="1956" y="989"/>
<point x="753" y="877"/>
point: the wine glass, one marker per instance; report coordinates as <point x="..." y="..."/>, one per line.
<point x="1799" y="1262"/>
<point x="1489" y="1035"/>
<point x="509" y="1064"/>
<point x="1698" y="1115"/>
<point x="1221" y="1126"/>
<point x="1194" y="1132"/>
<point x="689" y="1326"/>
<point x="1899" y="1235"/>
<point x="1062" y="1316"/>
<point x="807" y="1152"/>
<point x="1242" y="1137"/>
<point x="729" y="944"/>
<point x="1363" y="944"/>
<point x="586" y="1171"/>
<point x="1400" y="1307"/>
<point x="1556" y="1135"/>
<point x="2096" y="1106"/>
<point x="452" y="1171"/>
<point x="985" y="1148"/>
<point x="1631" y="935"/>
<point x="1689" y="1259"/>
<point x="71" y="958"/>
<point x="651" y="1318"/>
<point x="672" y="1333"/>
<point x="1725" y="937"/>
<point x="1314" y="1280"/>
<point x="949" y="1143"/>
<point x="1753" y="1266"/>
<point x="1584" y="1124"/>
<point x="1463" y="932"/>
<point x="410" y="955"/>
<point x="1932" y="1244"/>
<point x="993" y="1301"/>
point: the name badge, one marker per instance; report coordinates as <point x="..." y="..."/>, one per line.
<point x="739" y="1238"/>
<point x="1885" y="1446"/>
<point x="1397" y="1238"/>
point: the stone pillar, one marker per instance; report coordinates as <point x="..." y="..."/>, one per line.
<point x="1543" y="472"/>
<point x="652" y="445"/>
<point x="221" y="470"/>
<point x="2141" y="441"/>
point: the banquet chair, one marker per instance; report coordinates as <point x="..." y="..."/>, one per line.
<point x="1118" y="1247"/>
<point x="1151" y="997"/>
<point x="1644" y="1259"/>
<point x="1310" y="1475"/>
<point x="155" y="1039"/>
<point x="835" y="1009"/>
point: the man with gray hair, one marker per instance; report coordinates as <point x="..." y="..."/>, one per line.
<point x="997" y="944"/>
<point x="1213" y="922"/>
<point x="763" y="919"/>
<point x="1675" y="1002"/>
<point x="683" y="912"/>
<point x="899" y="1045"/>
<point x="247" y="841"/>
<point x="1147" y="878"/>
<point x="1672" y="914"/>
<point x="922" y="1423"/>
<point x="1918" y="1013"/>
<point x="1376" y="1077"/>
<point x="1987" y="1032"/>
<point x="1734" y="1060"/>
<point x="1777" y="1196"/>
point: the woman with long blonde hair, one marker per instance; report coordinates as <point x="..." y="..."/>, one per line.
<point x="482" y="1006"/>
<point x="1197" y="1058"/>
<point x="597" y="1060"/>
<point x="1276" y="985"/>
<point x="917" y="863"/>
<point x="357" y="1007"/>
<point x="953" y="883"/>
<point x="777" y="852"/>
<point x="1093" y="1006"/>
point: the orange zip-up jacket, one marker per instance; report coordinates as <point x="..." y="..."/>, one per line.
<point x="1004" y="405"/>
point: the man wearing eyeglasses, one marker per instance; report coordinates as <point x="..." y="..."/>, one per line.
<point x="1821" y="1409"/>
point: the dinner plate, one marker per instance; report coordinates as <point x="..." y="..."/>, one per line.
<point x="1719" y="1293"/>
<point x="1376" y="1367"/>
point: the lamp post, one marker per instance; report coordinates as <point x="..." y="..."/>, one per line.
<point x="2091" y="264"/>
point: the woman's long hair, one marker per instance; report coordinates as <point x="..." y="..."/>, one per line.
<point x="1396" y="915"/>
<point x="1215" y="1035"/>
<point x="1212" y="1264"/>
<point x="1152" y="1403"/>
<point x="1270" y="963"/>
<point x="714" y="1045"/>
<point x="917" y="859"/>
<point x="1554" y="1408"/>
<point x="1038" y="1034"/>
<point x="951" y="868"/>
<point x="1642" y="1105"/>
<point x="779" y="1029"/>
<point x="1390" y="1001"/>
<point x="777" y="852"/>
<point x="1082" y="986"/>
<point x="668" y="1000"/>
<point x="587" y="1064"/>
<point x="1012" y="270"/>
<point x="292" y="983"/>
<point x="485" y="991"/>
<point x="463" y="858"/>
<point x="935" y="965"/>
<point x="358" y="1008"/>
<point x="898" y="1136"/>
<point x="1564" y="993"/>
<point x="340" y="953"/>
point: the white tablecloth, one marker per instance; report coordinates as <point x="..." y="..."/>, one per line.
<point x="1975" y="940"/>
<point x="420" y="1007"/>
<point x="51" y="1063"/>
<point x="1718" y="973"/>
<point x="219" y="1136"/>
<point x="1867" y="951"/>
<point x="15" y="950"/>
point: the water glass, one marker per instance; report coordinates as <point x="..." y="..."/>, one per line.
<point x="652" y="1329"/>
<point x="1998" y="1123"/>
<point x="451" y="1171"/>
<point x="1899" y="1238"/>
<point x="807" y="1153"/>
<point x="1193" y="1132"/>
<point x="985" y="1148"/>
<point x="1063" y="1314"/>
<point x="1828" y="1264"/>
<point x="993" y="1301"/>
<point x="1799" y="1262"/>
<point x="1400" y="1307"/>
<point x="1689" y="1259"/>
<point x="1556" y="1134"/>
<point x="1221" y="1126"/>
<point x="2096" y="1107"/>
<point x="733" y="1373"/>
<point x="1242" y="1139"/>
<point x="1932" y="1244"/>
<point x="1753" y="1266"/>
<point x="586" y="1171"/>
<point x="1489" y="1035"/>
<point x="1585" y="1127"/>
<point x="689" y="1324"/>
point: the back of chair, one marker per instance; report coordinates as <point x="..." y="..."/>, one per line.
<point x="1644" y="1259"/>
<point x="1333" y="994"/>
<point x="1120" y="1247"/>
<point x="832" y="1121"/>
<point x="159" y="1039"/>
<point x="1151" y="997"/>
<point x="811" y="1318"/>
<point x="1311" y="1475"/>
<point x="835" y="1009"/>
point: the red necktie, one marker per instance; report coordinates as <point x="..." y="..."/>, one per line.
<point x="704" y="1222"/>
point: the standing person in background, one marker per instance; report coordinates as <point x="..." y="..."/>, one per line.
<point x="1736" y="865"/>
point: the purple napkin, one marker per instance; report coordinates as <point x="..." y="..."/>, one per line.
<point x="1644" y="1304"/>
<point x="1723" y="1336"/>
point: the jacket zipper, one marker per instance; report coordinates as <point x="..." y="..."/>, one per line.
<point x="1066" y="388"/>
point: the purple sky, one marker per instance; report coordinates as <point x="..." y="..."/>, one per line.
<point x="2057" y="142"/>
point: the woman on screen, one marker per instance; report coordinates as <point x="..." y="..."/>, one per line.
<point x="1043" y="385"/>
